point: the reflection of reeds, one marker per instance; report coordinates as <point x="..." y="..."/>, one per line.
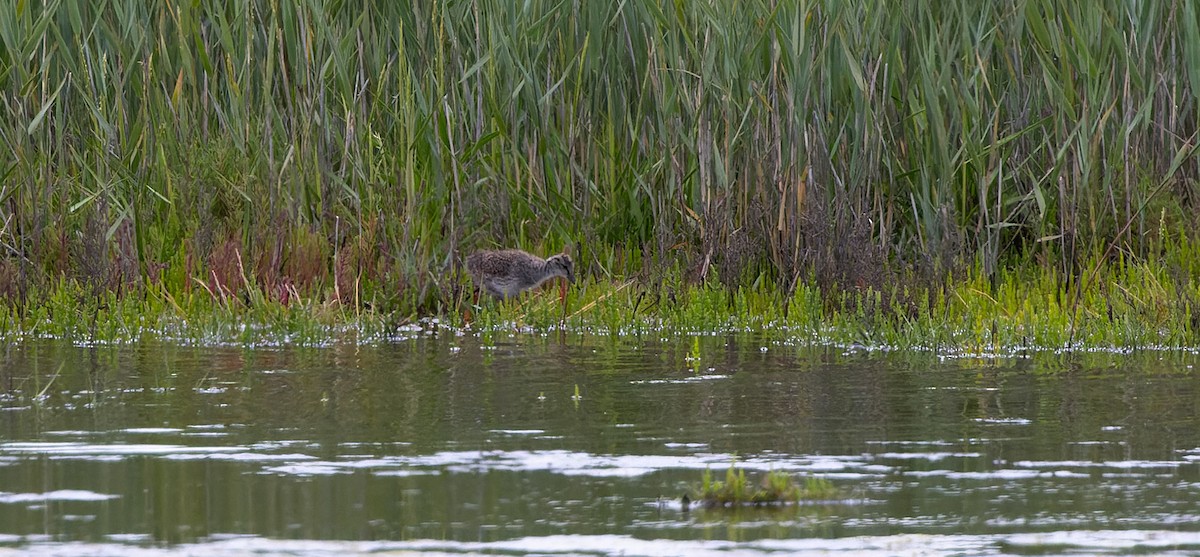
<point x="350" y="151"/>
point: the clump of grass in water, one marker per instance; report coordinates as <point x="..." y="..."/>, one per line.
<point x="775" y="488"/>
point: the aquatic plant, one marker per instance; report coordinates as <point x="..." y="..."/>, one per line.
<point x="775" y="488"/>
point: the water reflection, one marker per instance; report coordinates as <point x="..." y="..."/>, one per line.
<point x="580" y="444"/>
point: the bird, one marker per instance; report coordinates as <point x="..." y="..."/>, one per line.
<point x="506" y="273"/>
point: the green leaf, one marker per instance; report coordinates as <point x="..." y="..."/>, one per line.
<point x="37" y="120"/>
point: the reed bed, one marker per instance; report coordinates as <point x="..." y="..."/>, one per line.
<point x="879" y="160"/>
<point x="1136" y="308"/>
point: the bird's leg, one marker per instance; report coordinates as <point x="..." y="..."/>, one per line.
<point x="562" y="296"/>
<point x="467" y="315"/>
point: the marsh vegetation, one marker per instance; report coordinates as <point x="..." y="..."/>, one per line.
<point x="993" y="171"/>
<point x="774" y="488"/>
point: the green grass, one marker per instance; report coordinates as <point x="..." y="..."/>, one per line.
<point x="893" y="173"/>
<point x="1127" y="306"/>
<point x="775" y="488"/>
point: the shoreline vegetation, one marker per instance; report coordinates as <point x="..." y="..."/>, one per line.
<point x="1025" y="312"/>
<point x="1000" y="176"/>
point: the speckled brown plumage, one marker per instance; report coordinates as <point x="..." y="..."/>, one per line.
<point x="506" y="273"/>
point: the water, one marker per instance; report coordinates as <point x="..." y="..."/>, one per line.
<point x="581" y="445"/>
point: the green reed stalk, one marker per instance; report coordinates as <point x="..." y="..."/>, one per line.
<point x="356" y="151"/>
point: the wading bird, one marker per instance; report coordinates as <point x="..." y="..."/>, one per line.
<point x="506" y="273"/>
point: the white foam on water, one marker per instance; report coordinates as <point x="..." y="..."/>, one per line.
<point x="1002" y="474"/>
<point x="130" y="538"/>
<point x="79" y="517"/>
<point x="321" y="468"/>
<point x="685" y="380"/>
<point x="240" y="457"/>
<point x="403" y="473"/>
<point x="692" y="446"/>
<point x="1123" y="464"/>
<point x="58" y="495"/>
<point x="570" y="463"/>
<point x="85" y="450"/>
<point x="1112" y="541"/>
<point x="1071" y="542"/>
<point x="934" y="443"/>
<point x="1004" y="421"/>
<point x="931" y="456"/>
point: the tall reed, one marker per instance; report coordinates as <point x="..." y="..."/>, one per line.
<point x="358" y="148"/>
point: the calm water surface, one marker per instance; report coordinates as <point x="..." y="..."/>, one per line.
<point x="581" y="445"/>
